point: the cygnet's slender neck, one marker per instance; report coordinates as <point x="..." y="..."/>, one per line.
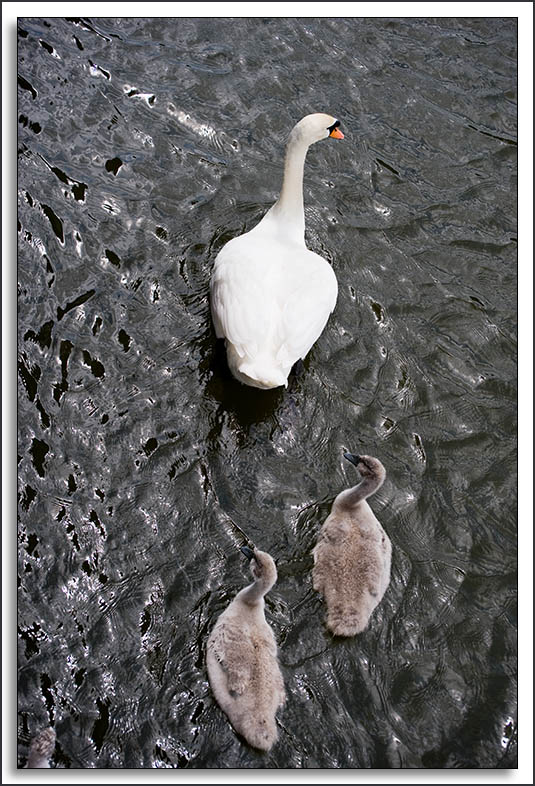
<point x="350" y="498"/>
<point x="289" y="207"/>
<point x="254" y="593"/>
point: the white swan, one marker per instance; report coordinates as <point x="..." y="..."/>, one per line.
<point x="270" y="296"/>
<point x="241" y="658"/>
<point x="353" y="553"/>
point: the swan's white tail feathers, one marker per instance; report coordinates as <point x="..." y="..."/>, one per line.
<point x="264" y="373"/>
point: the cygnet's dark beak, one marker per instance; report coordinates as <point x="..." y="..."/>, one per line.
<point x="352" y="457"/>
<point x="249" y="553"/>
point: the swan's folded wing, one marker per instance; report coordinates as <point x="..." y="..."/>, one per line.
<point x="240" y="308"/>
<point x="306" y="310"/>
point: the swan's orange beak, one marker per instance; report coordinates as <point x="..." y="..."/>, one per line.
<point x="336" y="134"/>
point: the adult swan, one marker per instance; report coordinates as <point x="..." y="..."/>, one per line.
<point x="270" y="296"/>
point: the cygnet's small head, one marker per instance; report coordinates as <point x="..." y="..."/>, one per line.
<point x="262" y="565"/>
<point x="368" y="466"/>
<point x="312" y="128"/>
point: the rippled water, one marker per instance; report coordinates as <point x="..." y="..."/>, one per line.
<point x="145" y="144"/>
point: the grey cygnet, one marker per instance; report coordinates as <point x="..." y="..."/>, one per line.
<point x="242" y="662"/>
<point x="353" y="553"/>
<point x="41" y="749"/>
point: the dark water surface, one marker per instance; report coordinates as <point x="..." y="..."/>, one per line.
<point x="145" y="144"/>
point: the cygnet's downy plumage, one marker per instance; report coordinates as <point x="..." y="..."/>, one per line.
<point x="41" y="749"/>
<point x="242" y="662"/>
<point x="353" y="553"/>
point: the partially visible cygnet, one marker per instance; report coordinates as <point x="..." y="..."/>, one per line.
<point x="41" y="749"/>
<point x="353" y="553"/>
<point x="242" y="662"/>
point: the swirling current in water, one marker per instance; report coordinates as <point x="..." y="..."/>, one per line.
<point x="144" y="145"/>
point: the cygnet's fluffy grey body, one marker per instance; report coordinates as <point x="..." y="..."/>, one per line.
<point x="353" y="553"/>
<point x="41" y="749"/>
<point x="242" y="662"/>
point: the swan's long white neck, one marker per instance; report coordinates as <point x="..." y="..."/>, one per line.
<point x="289" y="207"/>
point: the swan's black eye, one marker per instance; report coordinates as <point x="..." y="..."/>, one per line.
<point x="330" y="129"/>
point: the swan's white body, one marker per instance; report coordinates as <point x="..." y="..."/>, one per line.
<point x="270" y="295"/>
<point x="241" y="658"/>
